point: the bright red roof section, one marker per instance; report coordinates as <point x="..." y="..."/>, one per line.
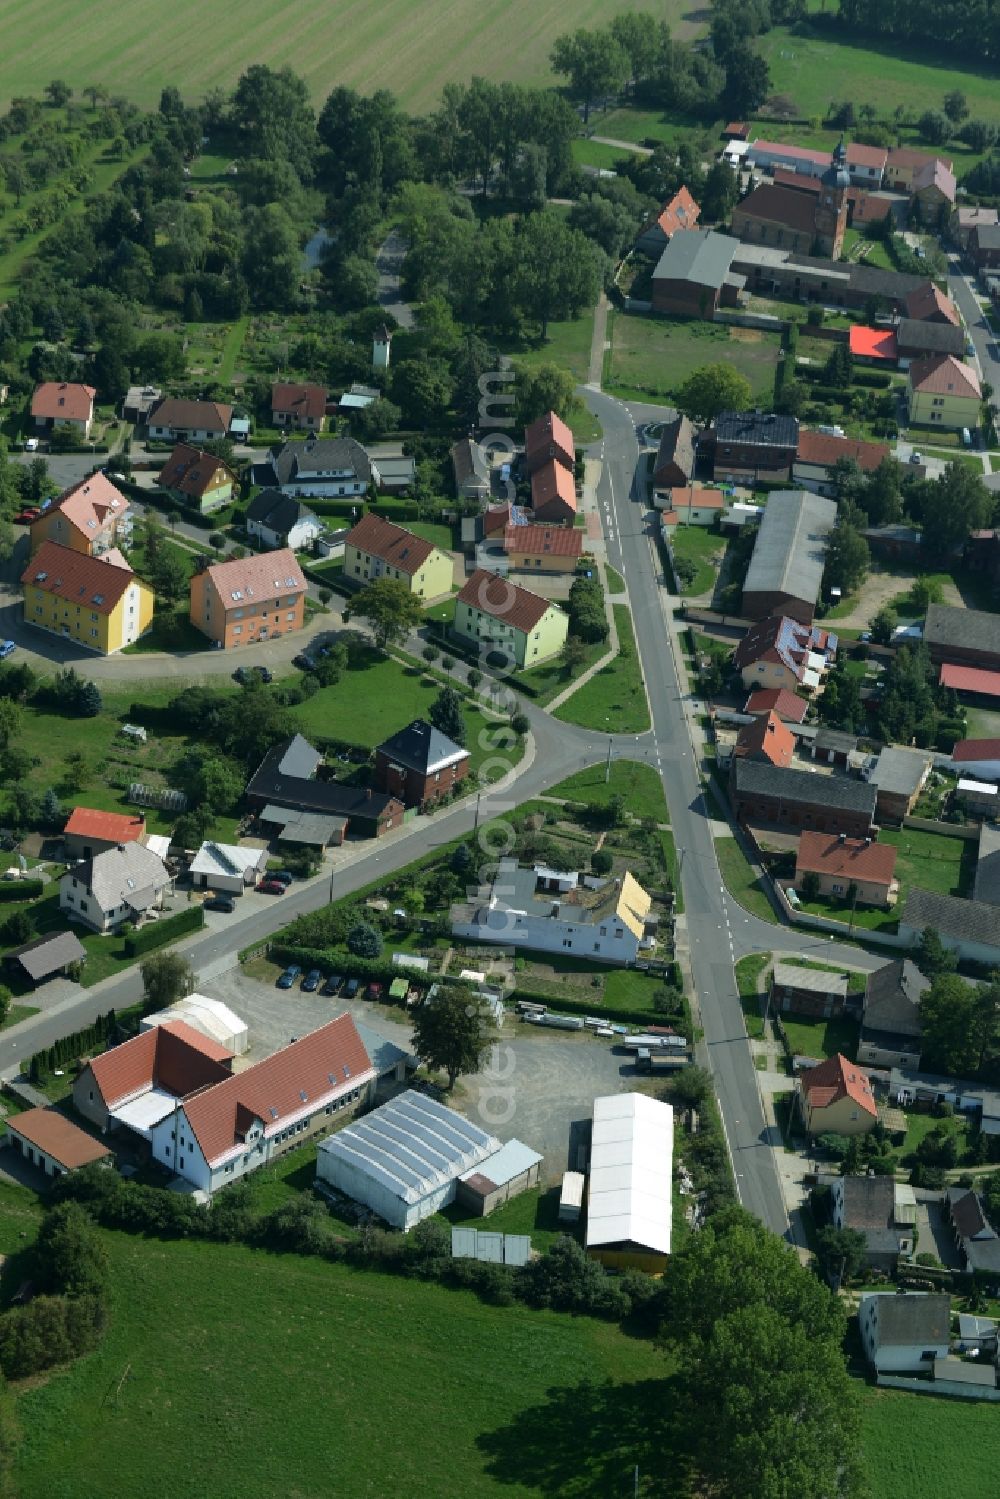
<point x="108" y="827"/>
<point x="873" y="343"/>
<point x="971" y="679"/>
<point x="838" y="1078"/>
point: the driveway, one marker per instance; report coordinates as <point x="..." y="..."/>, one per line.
<point x="934" y="1236"/>
<point x="389" y="263"/>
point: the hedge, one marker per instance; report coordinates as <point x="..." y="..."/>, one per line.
<point x="20" y="889"/>
<point x="875" y="379"/>
<point x="157" y="933"/>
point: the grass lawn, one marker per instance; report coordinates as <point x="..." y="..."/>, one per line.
<point x="549" y="679"/>
<point x="443" y="612"/>
<point x="438" y="536"/>
<point x="170" y="632"/>
<point x="535" y="1213"/>
<point x="703" y="547"/>
<point x="231" y="349"/>
<point x="820" y="1038"/>
<point x="262" y="1353"/>
<point x="616" y="583"/>
<point x="639" y="784"/>
<point x="614" y="699"/>
<point x="749" y="982"/>
<point x="567" y="344"/>
<point x="740" y="880"/>
<point x="920" y="1125"/>
<point x="926" y="1447"/>
<point x="654" y="356"/>
<point x="931" y="860"/>
<point x="587" y="153"/>
<point x="17" y="1013"/>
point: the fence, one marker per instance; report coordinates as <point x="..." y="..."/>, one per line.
<point x="952" y="1387"/>
<point x="712" y="617"/>
<point x="764" y="320"/>
<point x="946" y="829"/>
<point x="827" y="924"/>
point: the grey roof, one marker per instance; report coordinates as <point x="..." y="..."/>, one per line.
<point x="412" y="1145"/>
<point x="987" y="236"/>
<point x="813" y="980"/>
<point x="130" y="875"/>
<point x="899" y="770"/>
<point x="677" y="444"/>
<point x="837" y="740"/>
<point x="912" y="1318"/>
<point x="987" y="886"/>
<point x="420" y="746"/>
<point x="980" y="1244"/>
<point x="751" y="778"/>
<point x="285" y="778"/>
<point x="336" y="454"/>
<point x="299" y="758"/>
<point x="700" y="256"/>
<point x="950" y="916"/>
<point x="929" y="338"/>
<point x="790" y="550"/>
<point x="869" y="1201"/>
<point x="962" y="629"/>
<point x="839" y="275"/>
<point x="278" y="512"/>
<point x="310" y="828"/>
<point x="468" y="458"/>
<point x="503" y="1166"/>
<point x="48" y="954"/>
<point x="761" y="429"/>
<point x="385" y="1055"/>
<point x="892" y="999"/>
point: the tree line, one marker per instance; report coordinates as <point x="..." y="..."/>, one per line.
<point x="959" y="28"/>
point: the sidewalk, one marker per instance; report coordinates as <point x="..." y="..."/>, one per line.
<point x="598" y="343"/>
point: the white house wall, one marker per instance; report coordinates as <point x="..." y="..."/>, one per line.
<point x="544" y="935"/>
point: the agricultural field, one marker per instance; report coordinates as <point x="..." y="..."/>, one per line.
<point x="926" y="1448"/>
<point x="651" y="357"/>
<point x="135" y="50"/>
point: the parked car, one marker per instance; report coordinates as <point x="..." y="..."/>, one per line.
<point x="31" y="445"/>
<point x="303" y="662"/>
<point x="916" y="457"/>
<point x="332" y="985"/>
<point x="27" y="515"/>
<point x="7" y="649"/>
<point x="351" y="988"/>
<point x="221" y="903"/>
<point x="271" y="887"/>
<point x="245" y="674"/>
<point x="287" y="979"/>
<point x="283" y="876"/>
<point x="311" y="981"/>
<point x="374" y="990"/>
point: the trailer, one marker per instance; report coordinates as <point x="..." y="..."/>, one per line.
<point x="660" y="1061"/>
<point x="571" y="1196"/>
<point x="654" y="1043"/>
<point x="560" y="1022"/>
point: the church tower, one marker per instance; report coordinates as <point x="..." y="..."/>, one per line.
<point x="831" y="206"/>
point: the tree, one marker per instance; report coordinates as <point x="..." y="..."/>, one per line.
<point x="840" y="1253"/>
<point x="389" y="607"/>
<point x="572" y="656"/>
<point x="932" y="957"/>
<point x="809" y="888"/>
<point x="70" y="1257"/>
<point x="594" y="63"/>
<point x="557" y="270"/>
<point x="924" y="592"/>
<point x="446" y="715"/>
<point x="601" y="861"/>
<point x="364" y="940"/>
<point x="748" y="82"/>
<point x="714" y="388"/>
<point x="274" y="119"/>
<point x="956" y="106"/>
<point x="950" y="1025"/>
<point x="545" y="387"/>
<point x="6" y="997"/>
<point x="474" y="678"/>
<point x="933" y="127"/>
<point x="15" y="178"/>
<point x="96" y="93"/>
<point x="58" y="92"/>
<point x="166" y="978"/>
<point x="51" y="813"/>
<point x="952" y="507"/>
<point x="452" y="1032"/>
<point x="847" y="559"/>
<point x="90" y="702"/>
<point x="882" y="626"/>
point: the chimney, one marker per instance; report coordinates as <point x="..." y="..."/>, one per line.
<point x="841" y="837"/>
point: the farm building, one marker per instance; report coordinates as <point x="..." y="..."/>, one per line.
<point x="786" y="569"/>
<point x="509" y="1171"/>
<point x="52" y="1142"/>
<point x="45" y="957"/>
<point x="404" y="1160"/>
<point x="209" y="1017"/>
<point x="629" y="1206"/>
<point x="227" y="866"/>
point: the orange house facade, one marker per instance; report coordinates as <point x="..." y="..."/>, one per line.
<point x="255" y="598"/>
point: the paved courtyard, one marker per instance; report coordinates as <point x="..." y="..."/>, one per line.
<point x="539" y="1085"/>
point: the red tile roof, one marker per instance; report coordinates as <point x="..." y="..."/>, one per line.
<point x="547" y="437"/>
<point x="192" y="472"/>
<point x="825" y="853"/>
<point x="976" y="749"/>
<point x="822" y="448"/>
<point x="766" y="738"/>
<point x="736" y="130"/>
<point x="88" y="504"/>
<point x="381" y="538"/>
<point x="943" y="375"/>
<point x="936" y="174"/>
<point x="873" y="343"/>
<point x="109" y="827"/>
<point x="58" y="1137"/>
<point x="908" y="156"/>
<point x="501" y="599"/>
<point x="203" y="416"/>
<point x="697" y="496"/>
<point x="796" y="153"/>
<point x="292" y="1082"/>
<point x="929" y="301"/>
<point x="496" y="518"/>
<point x="252" y="579"/>
<point x="866" y="156"/>
<point x="173" y="1056"/>
<point x="552" y="484"/>
<point x="838" y="1078"/>
<point x="788" y="705"/>
<point x="543" y="541"/>
<point x="682" y="212"/>
<point x="780" y="205"/>
<point x="63" y="402"/>
<point x="299" y="400"/>
<point x="971" y="679"/>
<point x="95" y="583"/>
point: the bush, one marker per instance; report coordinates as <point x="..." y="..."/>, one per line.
<point x="873" y="379"/>
<point x="11" y="890"/>
<point x="601" y="862"/>
<point x="364" y="940"/>
<point x="167" y="929"/>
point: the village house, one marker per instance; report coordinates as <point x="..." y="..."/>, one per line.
<point x="249" y="599"/>
<point x="774" y="271"/>
<point x="818" y="452"/>
<point x="602" y="920"/>
<point x="673" y="465"/>
<point x="898" y="775"/>
<point x="690" y="505"/>
<point x="693" y="276"/>
<point x="298" y="407"/>
<point x="967" y="219"/>
<point x="890" y="1023"/>
<point x="546" y="440"/>
<point x="977" y="757"/>
<point x="967" y="927"/>
<point x="553" y="494"/>
<point x="114" y="887"/>
<point x="179" y="420"/>
<point x="780" y="652"/>
<point x="538" y="549"/>
<point x="836" y="1098"/>
<point x="59" y="403"/>
<point x="91" y="517"/>
<point x="750" y="445"/>
<point x="97" y="602"/>
<point x="681" y="213"/>
<point x="918" y="338"/>
<point x="786" y="569"/>
<point x="326" y="467"/>
<point x="943" y="392"/>
<point x="904" y="164"/>
<point x="198" y="478"/>
<point x="771" y="796"/>
<point x="841" y="864"/>
<point x="471" y="470"/>
<point x="984" y="247"/>
<point x="89" y="832"/>
<point x="904" y="1332"/>
<point x="934" y="189"/>
<point x="496" y="615"/>
<point x="808" y="991"/>
<point x="789" y="707"/>
<point x="765" y="739"/>
<point x="134" y="1084"/>
<point x="882" y="1209"/>
<point x="378" y="548"/>
<point x="927" y="303"/>
<point x="974" y="1234"/>
<point x="300" y="806"/>
<point x="278" y="520"/>
<point x="420" y="765"/>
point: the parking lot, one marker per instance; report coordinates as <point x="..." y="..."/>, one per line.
<point x="537" y="1085"/>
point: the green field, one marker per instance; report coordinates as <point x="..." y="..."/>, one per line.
<point x="927" y="1448"/>
<point x="614" y="699"/>
<point x="654" y="356"/>
<point x="588" y="153"/>
<point x="136" y="49"/>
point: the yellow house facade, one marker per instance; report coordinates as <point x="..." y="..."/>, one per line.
<point x="836" y="1099"/>
<point x="91" y="517"/>
<point x="495" y="614"/>
<point x="944" y="393"/>
<point x="378" y="548"/>
<point x="97" y="602"/>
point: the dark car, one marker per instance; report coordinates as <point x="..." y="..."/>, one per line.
<point x="245" y="674"/>
<point x="351" y="988"/>
<point x="303" y="662"/>
<point x="287" y="979"/>
<point x="332" y="985"/>
<point x="283" y="876"/>
<point x="271" y="887"/>
<point x="221" y="903"/>
<point x="311" y="981"/>
<point x="374" y="991"/>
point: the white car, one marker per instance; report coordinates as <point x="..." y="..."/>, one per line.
<point x="31" y="446"/>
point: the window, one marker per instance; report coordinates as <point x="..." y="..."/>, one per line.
<point x="290" y="616"/>
<point x="237" y="629"/>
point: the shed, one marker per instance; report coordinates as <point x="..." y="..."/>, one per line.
<point x="631" y="1172"/>
<point x="571" y="1196"/>
<point x="52" y="1142"/>
<point x="47" y="956"/>
<point x="503" y="1175"/>
<point x="210" y="1017"/>
<point x="226" y="866"/>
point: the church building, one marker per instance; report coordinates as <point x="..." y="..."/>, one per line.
<point x="799" y="219"/>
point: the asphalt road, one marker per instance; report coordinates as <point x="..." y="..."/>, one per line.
<point x="986" y="345"/>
